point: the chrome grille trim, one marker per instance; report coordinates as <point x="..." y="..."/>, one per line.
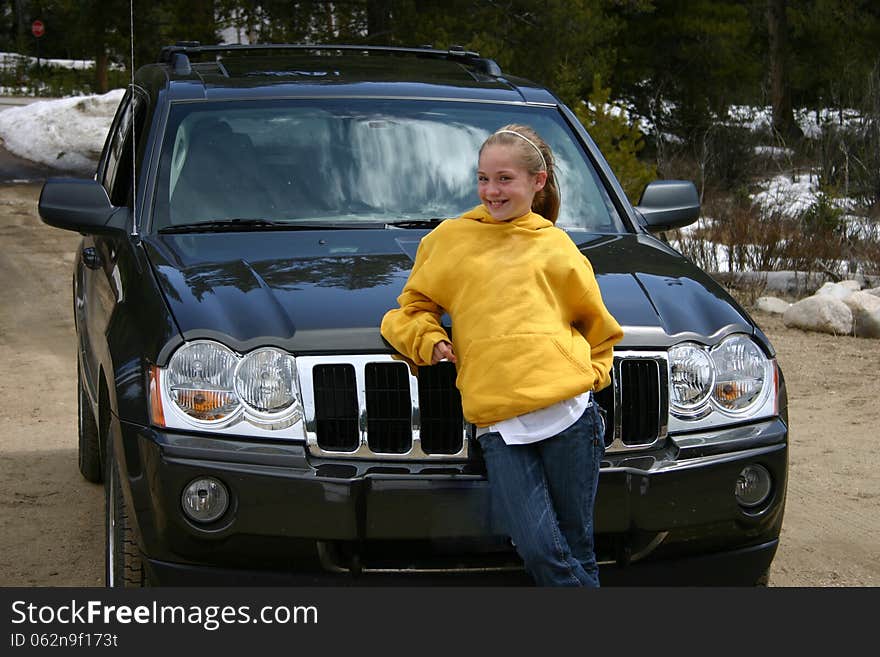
<point x="660" y="358"/>
<point x="305" y="365"/>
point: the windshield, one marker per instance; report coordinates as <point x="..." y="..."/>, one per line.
<point x="352" y="162"/>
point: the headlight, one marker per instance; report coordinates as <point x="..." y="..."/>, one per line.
<point x="734" y="378"/>
<point x="691" y="377"/>
<point x="206" y="385"/>
<point x="200" y="381"/>
<point x="265" y="382"/>
<point x="741" y="374"/>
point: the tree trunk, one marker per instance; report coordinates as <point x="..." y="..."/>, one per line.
<point x="379" y="21"/>
<point x="19" y="33"/>
<point x="101" y="83"/>
<point x="780" y="91"/>
<point x="99" y="26"/>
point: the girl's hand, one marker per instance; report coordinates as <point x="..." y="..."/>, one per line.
<point x="443" y="351"/>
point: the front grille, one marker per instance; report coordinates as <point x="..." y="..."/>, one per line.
<point x="379" y="406"/>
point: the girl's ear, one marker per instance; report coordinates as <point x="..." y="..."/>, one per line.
<point x="540" y="180"/>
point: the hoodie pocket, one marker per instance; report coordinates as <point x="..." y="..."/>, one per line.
<point x="576" y="349"/>
<point x="513" y="372"/>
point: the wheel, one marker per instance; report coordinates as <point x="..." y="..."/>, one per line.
<point x="89" y="441"/>
<point x="123" y="567"/>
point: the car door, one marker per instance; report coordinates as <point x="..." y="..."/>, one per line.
<point x="98" y="288"/>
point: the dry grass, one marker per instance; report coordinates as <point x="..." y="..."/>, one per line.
<point x="739" y="238"/>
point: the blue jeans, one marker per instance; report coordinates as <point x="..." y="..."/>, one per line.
<point x="543" y="493"/>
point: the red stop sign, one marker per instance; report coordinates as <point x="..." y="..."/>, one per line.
<point x="38" y="28"/>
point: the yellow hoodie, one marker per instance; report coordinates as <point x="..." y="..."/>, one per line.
<point x="529" y="325"/>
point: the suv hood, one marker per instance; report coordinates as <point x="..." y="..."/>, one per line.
<point x="312" y="291"/>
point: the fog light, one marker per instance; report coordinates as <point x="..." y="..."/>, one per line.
<point x="205" y="499"/>
<point x="752" y="486"/>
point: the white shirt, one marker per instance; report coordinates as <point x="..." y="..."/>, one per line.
<point x="541" y="424"/>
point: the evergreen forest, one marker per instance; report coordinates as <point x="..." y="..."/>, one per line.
<point x="723" y="92"/>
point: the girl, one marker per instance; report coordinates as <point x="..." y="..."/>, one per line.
<point x="533" y="339"/>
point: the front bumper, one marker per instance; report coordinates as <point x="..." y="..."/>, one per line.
<point x="666" y="516"/>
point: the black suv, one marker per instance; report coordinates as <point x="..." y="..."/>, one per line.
<point x="255" y="212"/>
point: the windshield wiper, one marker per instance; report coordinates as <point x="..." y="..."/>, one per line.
<point x="219" y="225"/>
<point x="222" y="225"/>
<point x="416" y="223"/>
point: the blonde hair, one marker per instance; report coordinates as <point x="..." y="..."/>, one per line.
<point x="536" y="157"/>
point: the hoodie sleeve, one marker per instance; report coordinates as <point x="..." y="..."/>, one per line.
<point x="414" y="328"/>
<point x="595" y="323"/>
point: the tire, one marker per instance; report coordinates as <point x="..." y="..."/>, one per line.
<point x="89" y="439"/>
<point x="123" y="566"/>
<point x="764" y="579"/>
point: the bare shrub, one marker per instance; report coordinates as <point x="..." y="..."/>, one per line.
<point x="737" y="238"/>
<point x="745" y="289"/>
<point x="674" y="162"/>
<point x="742" y="237"/>
<point x="697" y="249"/>
<point x="719" y="158"/>
<point x="731" y="157"/>
<point x="846" y="153"/>
<point x="866" y="252"/>
<point x="860" y="147"/>
<point x="832" y="235"/>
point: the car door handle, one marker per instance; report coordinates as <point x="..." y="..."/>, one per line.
<point x="90" y="257"/>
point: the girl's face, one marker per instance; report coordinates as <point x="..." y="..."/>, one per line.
<point x="504" y="185"/>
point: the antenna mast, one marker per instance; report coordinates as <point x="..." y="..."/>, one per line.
<point x="134" y="225"/>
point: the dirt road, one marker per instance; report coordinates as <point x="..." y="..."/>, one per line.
<point x="51" y="527"/>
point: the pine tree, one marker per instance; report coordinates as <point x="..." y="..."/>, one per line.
<point x="618" y="139"/>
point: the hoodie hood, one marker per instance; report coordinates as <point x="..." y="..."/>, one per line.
<point x="529" y="221"/>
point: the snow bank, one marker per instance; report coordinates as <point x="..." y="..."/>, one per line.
<point x="67" y="133"/>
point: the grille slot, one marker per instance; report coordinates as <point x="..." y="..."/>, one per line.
<point x="640" y="401"/>
<point x="389" y="408"/>
<point x="336" y="407"/>
<point x="440" y="409"/>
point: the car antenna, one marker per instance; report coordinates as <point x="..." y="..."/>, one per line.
<point x="134" y="226"/>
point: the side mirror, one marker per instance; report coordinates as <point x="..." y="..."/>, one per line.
<point x="80" y="205"/>
<point x="668" y="204"/>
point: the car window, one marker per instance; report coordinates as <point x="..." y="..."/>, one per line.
<point x="114" y="146"/>
<point x="116" y="175"/>
<point x="352" y="161"/>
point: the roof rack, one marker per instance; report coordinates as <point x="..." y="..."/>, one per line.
<point x="178" y="54"/>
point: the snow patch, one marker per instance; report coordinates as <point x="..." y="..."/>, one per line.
<point x="67" y="133"/>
